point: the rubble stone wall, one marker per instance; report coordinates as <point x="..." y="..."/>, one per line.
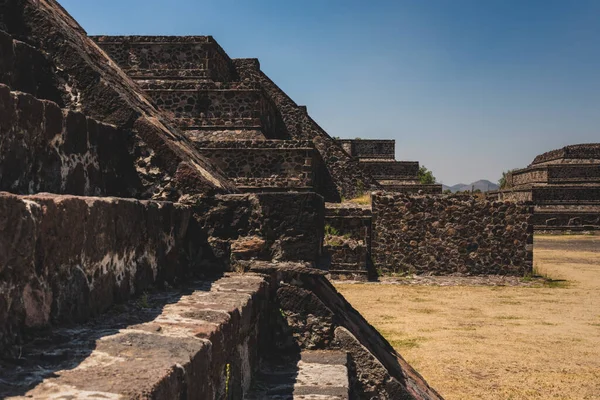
<point x="567" y="217"/>
<point x="281" y="163"/>
<point x="383" y="169"/>
<point x="451" y="234"/>
<point x="350" y="219"/>
<point x="209" y="104"/>
<point x="515" y="195"/>
<point x="526" y="176"/>
<point x="140" y="54"/>
<point x="411" y="187"/>
<point x="221" y="107"/>
<point x="347" y="251"/>
<point x="266" y="226"/>
<point x="558" y="194"/>
<point x="367" y="148"/>
<point x="574" y="173"/>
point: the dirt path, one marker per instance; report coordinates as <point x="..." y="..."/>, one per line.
<point x="495" y="342"/>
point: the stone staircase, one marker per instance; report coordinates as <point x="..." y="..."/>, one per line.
<point x="314" y="374"/>
<point x="192" y="80"/>
<point x="232" y="122"/>
<point x="377" y="158"/>
<point x="347" y="247"/>
<point x="221" y="338"/>
<point x="198" y="342"/>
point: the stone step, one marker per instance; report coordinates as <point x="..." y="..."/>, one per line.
<point x="318" y="374"/>
<point x="222" y="133"/>
<point x="274" y="189"/>
<point x="198" y="73"/>
<point x="347" y="255"/>
<point x="196" y="85"/>
<point x="227" y="123"/>
<point x="24" y="68"/>
<point x="413" y="188"/>
<point x="201" y="342"/>
<point x="168" y="52"/>
<point x="342" y="272"/>
<point x="232" y="91"/>
<point x="211" y="103"/>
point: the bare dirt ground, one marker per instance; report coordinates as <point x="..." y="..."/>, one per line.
<point x="519" y="341"/>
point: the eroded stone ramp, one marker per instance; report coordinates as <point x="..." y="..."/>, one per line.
<point x="198" y="343"/>
<point x="319" y="374"/>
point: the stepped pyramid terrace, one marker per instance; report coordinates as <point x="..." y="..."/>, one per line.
<point x="378" y="158"/>
<point x="237" y="117"/>
<point x="564" y="185"/>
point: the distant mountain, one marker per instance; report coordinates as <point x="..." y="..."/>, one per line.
<point x="483" y="184"/>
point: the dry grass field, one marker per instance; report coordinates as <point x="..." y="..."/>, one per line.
<point x="500" y="342"/>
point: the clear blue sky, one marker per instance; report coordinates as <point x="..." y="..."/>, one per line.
<point x="467" y="87"/>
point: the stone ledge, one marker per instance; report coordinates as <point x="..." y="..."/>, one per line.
<point x="256" y="144"/>
<point x="194" y="341"/>
<point x="577" y="151"/>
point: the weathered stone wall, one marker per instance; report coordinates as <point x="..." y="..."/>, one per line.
<point x="391" y="169"/>
<point x="267" y="226"/>
<point x="580" y="194"/>
<point x="66" y="258"/>
<point x="343" y="176"/>
<point x="525" y="176"/>
<point x="451" y="234"/>
<point x="350" y="219"/>
<point x="515" y="195"/>
<point x="285" y="164"/>
<point x="46" y="149"/>
<point x="410" y="187"/>
<point x="574" y="173"/>
<point x="556" y="174"/>
<point x="347" y="250"/>
<point x="140" y="56"/>
<point x="370" y="148"/>
<point x="567" y="217"/>
<point x="221" y="103"/>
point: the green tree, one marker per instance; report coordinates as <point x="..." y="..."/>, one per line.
<point x="503" y="181"/>
<point x="426" y="176"/>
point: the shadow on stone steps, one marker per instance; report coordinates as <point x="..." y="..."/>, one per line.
<point x="49" y="353"/>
